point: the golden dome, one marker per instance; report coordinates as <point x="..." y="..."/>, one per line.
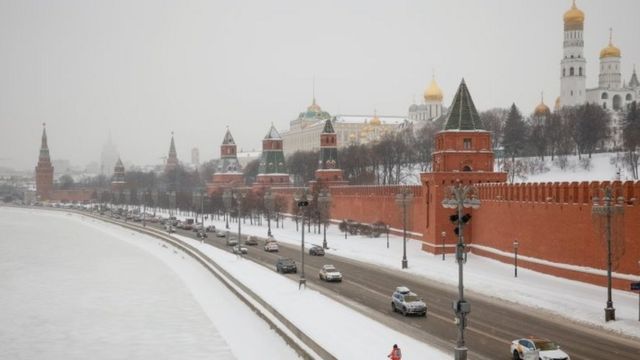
<point x="574" y="16"/>
<point x="375" y="121"/>
<point x="610" y="50"/>
<point x="314" y="107"/>
<point x="433" y="92"/>
<point x="556" y="106"/>
<point x="542" y="108"/>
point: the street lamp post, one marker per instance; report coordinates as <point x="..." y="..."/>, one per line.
<point x="269" y="200"/>
<point x="154" y="199"/>
<point x="302" y="198"/>
<point x="403" y="199"/>
<point x="608" y="210"/>
<point x="142" y="200"/>
<point x="226" y="199"/>
<point x="444" y="236"/>
<point x="324" y="202"/>
<point x="457" y="197"/>
<point x="386" y="227"/>
<point x="515" y="257"/>
<point x="127" y="199"/>
<point x="239" y="197"/>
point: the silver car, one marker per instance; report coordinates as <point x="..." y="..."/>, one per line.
<point x="407" y="302"/>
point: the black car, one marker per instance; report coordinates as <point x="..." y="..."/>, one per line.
<point x="284" y="265"/>
<point x="201" y="234"/>
<point x="316" y="250"/>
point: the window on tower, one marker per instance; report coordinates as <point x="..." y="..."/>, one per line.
<point x="564" y="72"/>
<point x="580" y="71"/>
<point x="466" y="144"/>
<point x="571" y="71"/>
<point x="604" y="96"/>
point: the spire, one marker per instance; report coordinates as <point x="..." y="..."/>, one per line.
<point x="328" y="127"/>
<point x="633" y="82"/>
<point x="172" y="148"/>
<point x="463" y="114"/>
<point x="272" y="134"/>
<point x="43" y="144"/>
<point x="228" y="139"/>
<point x="44" y="147"/>
<point x="610" y="36"/>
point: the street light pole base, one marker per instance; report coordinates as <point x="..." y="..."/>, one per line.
<point x="324" y="245"/>
<point x="301" y="283"/>
<point x="405" y="263"/>
<point x="460" y="353"/>
<point x="609" y="314"/>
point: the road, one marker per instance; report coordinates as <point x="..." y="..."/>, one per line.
<point x="493" y="323"/>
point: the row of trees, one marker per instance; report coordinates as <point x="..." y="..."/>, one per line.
<point x="396" y="157"/>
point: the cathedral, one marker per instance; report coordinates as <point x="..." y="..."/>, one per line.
<point x="431" y="109"/>
<point x="612" y="92"/>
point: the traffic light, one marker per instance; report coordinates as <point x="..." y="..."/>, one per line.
<point x="462" y="221"/>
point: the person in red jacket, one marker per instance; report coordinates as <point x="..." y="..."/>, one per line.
<point x="395" y="354"/>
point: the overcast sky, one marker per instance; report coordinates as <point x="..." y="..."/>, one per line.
<point x="141" y="69"/>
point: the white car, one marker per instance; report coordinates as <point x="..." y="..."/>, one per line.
<point x="238" y="249"/>
<point x="271" y="246"/>
<point x="536" y="349"/>
<point x="329" y="273"/>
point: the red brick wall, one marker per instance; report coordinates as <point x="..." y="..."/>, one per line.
<point x="370" y="204"/>
<point x="554" y="222"/>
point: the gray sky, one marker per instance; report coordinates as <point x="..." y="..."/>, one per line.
<point x="141" y="69"/>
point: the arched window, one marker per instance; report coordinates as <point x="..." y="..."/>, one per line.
<point x="604" y="105"/>
<point x="580" y="71"/>
<point x="564" y="72"/>
<point x="617" y="102"/>
<point x="571" y="71"/>
<point x="466" y="168"/>
<point x="604" y="96"/>
<point x="628" y="97"/>
<point x="572" y="56"/>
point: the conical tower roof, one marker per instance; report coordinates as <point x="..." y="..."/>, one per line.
<point x="462" y="113"/>
<point x="633" y="83"/>
<point x="119" y="166"/>
<point x="44" y="147"/>
<point x="228" y="139"/>
<point x="172" y="148"/>
<point x="272" y="134"/>
<point x="328" y="127"/>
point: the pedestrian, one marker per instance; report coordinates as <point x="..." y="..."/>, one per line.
<point x="395" y="354"/>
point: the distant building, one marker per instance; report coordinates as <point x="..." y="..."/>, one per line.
<point x="44" y="179"/>
<point x="108" y="157"/>
<point x="195" y="157"/>
<point x="172" y="159"/>
<point x="304" y="132"/>
<point x="431" y="109"/>
<point x="611" y="93"/>
<point x="118" y="181"/>
<point x="273" y="169"/>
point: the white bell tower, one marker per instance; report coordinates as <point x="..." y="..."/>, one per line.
<point x="573" y="67"/>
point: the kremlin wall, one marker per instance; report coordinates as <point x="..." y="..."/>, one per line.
<point x="552" y="222"/>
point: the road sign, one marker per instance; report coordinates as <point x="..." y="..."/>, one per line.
<point x="635" y="286"/>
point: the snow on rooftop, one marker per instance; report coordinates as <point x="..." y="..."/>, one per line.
<point x="353" y="119"/>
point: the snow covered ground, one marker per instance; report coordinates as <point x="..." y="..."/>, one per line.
<point x="187" y="318"/>
<point x="76" y="288"/>
<point x="601" y="167"/>
<point x="575" y="300"/>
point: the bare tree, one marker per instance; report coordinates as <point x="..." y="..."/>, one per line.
<point x="631" y="137"/>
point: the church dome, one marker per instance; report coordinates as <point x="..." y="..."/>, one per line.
<point x="541" y="109"/>
<point x="375" y="121"/>
<point x="556" y="106"/>
<point x="574" y="16"/>
<point x="433" y="92"/>
<point x="610" y="50"/>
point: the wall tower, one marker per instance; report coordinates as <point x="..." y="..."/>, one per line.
<point x="44" y="170"/>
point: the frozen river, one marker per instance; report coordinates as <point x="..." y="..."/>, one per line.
<point x="73" y="289"/>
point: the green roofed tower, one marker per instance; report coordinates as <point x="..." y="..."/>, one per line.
<point x="462" y="113"/>
<point x="272" y="170"/>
